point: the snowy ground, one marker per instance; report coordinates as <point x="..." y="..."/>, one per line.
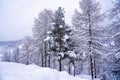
<point x="14" y="71"/>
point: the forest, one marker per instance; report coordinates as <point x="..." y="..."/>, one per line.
<point x="90" y="46"/>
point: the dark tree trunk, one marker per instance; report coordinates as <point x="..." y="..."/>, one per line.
<point x="27" y="62"/>
<point x="45" y="49"/>
<point x="95" y="75"/>
<point x="60" y="65"/>
<point x="69" y="70"/>
<point x="91" y="67"/>
<point x="27" y="59"/>
<point x="42" y="60"/>
<point x="90" y="45"/>
<point x="49" y="61"/>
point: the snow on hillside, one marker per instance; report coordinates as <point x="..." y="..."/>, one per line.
<point x="15" y="71"/>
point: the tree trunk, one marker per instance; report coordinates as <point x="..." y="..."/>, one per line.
<point x="27" y="59"/>
<point x="74" y="68"/>
<point x="91" y="67"/>
<point x="42" y="60"/>
<point x="45" y="50"/>
<point x="60" y="65"/>
<point x="95" y="75"/>
<point x="90" y="45"/>
<point x="49" y="61"/>
<point x="69" y="70"/>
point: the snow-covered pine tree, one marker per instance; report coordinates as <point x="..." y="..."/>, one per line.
<point x="89" y="34"/>
<point x="42" y="25"/>
<point x="115" y="26"/>
<point x="61" y="44"/>
<point x="115" y="38"/>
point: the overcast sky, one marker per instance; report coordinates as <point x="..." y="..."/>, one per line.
<point x="17" y="16"/>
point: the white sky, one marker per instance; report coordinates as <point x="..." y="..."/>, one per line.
<point x="16" y="16"/>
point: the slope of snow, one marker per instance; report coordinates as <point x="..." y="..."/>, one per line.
<point x="14" y="71"/>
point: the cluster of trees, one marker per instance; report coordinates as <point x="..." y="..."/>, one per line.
<point x="89" y="46"/>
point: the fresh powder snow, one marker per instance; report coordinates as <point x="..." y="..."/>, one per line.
<point x="15" y="71"/>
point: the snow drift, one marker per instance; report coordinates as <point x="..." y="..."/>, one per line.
<point x="15" y="71"/>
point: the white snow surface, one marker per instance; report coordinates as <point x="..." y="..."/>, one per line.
<point x="16" y="71"/>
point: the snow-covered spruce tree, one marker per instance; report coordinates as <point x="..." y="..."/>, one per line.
<point x="61" y="44"/>
<point x="89" y="34"/>
<point x="42" y="25"/>
<point x="115" y="38"/>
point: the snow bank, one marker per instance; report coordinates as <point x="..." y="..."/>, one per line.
<point x="14" y="71"/>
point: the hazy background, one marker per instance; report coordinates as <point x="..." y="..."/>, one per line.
<point x="17" y="16"/>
